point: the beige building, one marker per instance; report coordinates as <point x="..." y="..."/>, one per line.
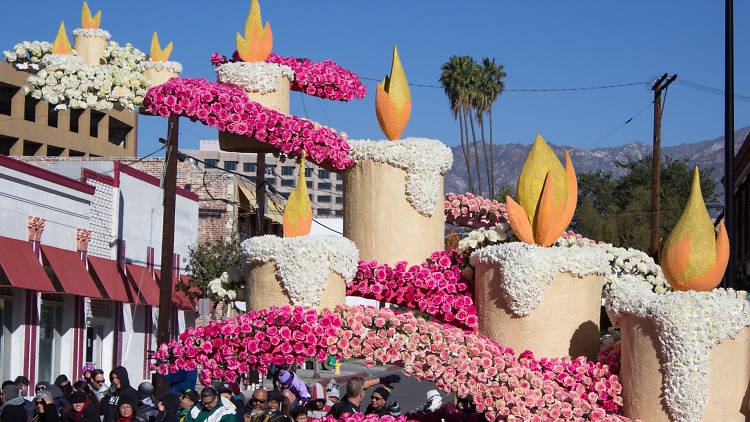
<point x="30" y="127"/>
<point x="325" y="187"/>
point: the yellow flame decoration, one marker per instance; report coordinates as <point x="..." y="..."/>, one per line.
<point x="61" y="44"/>
<point x="694" y="256"/>
<point x="157" y="54"/>
<point x="87" y="21"/>
<point x="547" y="194"/>
<point x="298" y="212"/>
<point x="393" y="100"/>
<point x="256" y="45"/>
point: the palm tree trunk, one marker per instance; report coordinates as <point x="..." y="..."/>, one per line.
<point x="465" y="151"/>
<point x="492" y="158"/>
<point x="486" y="158"/>
<point x="476" y="154"/>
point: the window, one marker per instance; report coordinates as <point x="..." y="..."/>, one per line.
<point x="54" y="151"/>
<point x="7" y="142"/>
<point x="339" y="187"/>
<point x="75" y="115"/>
<point x="271" y="169"/>
<point x="324" y="186"/>
<point x="230" y="165"/>
<point x="51" y="115"/>
<point x="309" y="184"/>
<point x="212" y="163"/>
<point x="287" y="182"/>
<point x="96" y="117"/>
<point x="6" y="98"/>
<point x="30" y="148"/>
<point x="324" y="199"/>
<point x="94" y="339"/>
<point x="271" y="182"/>
<point x="6" y="313"/>
<point x="287" y="171"/>
<point x="50" y="333"/>
<point x="339" y="176"/>
<point x="248" y="167"/>
<point x="324" y="212"/>
<point x="339" y="199"/>
<point x="253" y="179"/>
<point x="74" y="153"/>
<point x="339" y="213"/>
<point x="286" y="195"/>
<point x="308" y="172"/>
<point x="29" y="108"/>
<point x="118" y="132"/>
<point x="324" y="174"/>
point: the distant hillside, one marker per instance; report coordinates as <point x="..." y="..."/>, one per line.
<point x="509" y="158"/>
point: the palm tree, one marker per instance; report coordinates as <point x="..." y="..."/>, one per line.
<point x="473" y="79"/>
<point x="454" y="78"/>
<point x="494" y="87"/>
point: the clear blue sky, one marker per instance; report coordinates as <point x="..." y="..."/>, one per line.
<point x="542" y="45"/>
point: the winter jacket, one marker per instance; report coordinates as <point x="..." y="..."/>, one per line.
<point x="223" y="412"/>
<point x="171" y="406"/>
<point x="49" y="415"/>
<point x="181" y="380"/>
<point x="148" y="412"/>
<point x="89" y="415"/>
<point x="126" y="393"/>
<point x="10" y="412"/>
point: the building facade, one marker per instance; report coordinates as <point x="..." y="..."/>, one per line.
<point x="79" y="269"/>
<point x="30" y="127"/>
<point x="324" y="187"/>
<point x="742" y="211"/>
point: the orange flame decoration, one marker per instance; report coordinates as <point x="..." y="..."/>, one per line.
<point x="393" y="100"/>
<point x="61" y="44"/>
<point x="257" y="43"/>
<point x="298" y="212"/>
<point x="157" y="54"/>
<point x="87" y="22"/>
<point x="695" y="256"/>
<point x="547" y="194"/>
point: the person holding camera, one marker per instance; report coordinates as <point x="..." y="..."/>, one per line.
<point x="45" y="411"/>
<point x="120" y="391"/>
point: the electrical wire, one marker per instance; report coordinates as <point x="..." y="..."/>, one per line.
<point x="611" y="132"/>
<point x="586" y="88"/>
<point x="706" y="88"/>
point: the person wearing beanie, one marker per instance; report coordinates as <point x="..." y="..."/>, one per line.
<point x="146" y="406"/>
<point x="291" y="381"/>
<point x="86" y="372"/>
<point x="63" y="382"/>
<point x="378" y="400"/>
<point x="316" y="406"/>
<point x="13" y="404"/>
<point x="119" y="391"/>
<point x="128" y="410"/>
<point x="80" y="409"/>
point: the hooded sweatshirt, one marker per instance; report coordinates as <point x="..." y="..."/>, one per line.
<point x="115" y="396"/>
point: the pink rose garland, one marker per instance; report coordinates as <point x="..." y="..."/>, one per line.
<point x="228" y="109"/>
<point x="435" y="287"/>
<point x="498" y="382"/>
<point x="473" y="211"/>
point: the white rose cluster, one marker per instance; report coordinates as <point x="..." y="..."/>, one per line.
<point x="484" y="237"/>
<point x="219" y="288"/>
<point x="258" y="77"/>
<point x="66" y="82"/>
<point x="27" y="55"/>
<point x="424" y="160"/>
<point x="688" y="324"/>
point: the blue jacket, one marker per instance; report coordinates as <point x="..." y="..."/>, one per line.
<point x="181" y="380"/>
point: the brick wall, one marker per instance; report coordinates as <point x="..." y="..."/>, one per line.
<point x="102" y="208"/>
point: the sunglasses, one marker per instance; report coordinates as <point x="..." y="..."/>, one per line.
<point x="40" y="389"/>
<point x="376" y="398"/>
<point x="254" y="400"/>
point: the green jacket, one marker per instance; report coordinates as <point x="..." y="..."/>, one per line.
<point x="223" y="412"/>
<point x="182" y="414"/>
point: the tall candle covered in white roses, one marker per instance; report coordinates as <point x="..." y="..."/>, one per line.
<point x="90" y="44"/>
<point x="309" y="271"/>
<point x="543" y="299"/>
<point x="393" y="199"/>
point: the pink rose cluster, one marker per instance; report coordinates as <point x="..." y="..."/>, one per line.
<point x="323" y="79"/>
<point x="473" y="211"/>
<point x="228" y="109"/>
<point x="434" y="287"/>
<point x="609" y="354"/>
<point x="505" y="386"/>
<point x="363" y="418"/>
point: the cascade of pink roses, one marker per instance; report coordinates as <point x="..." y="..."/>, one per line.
<point x="364" y="418"/>
<point x="473" y="211"/>
<point x="435" y="287"/>
<point x="324" y="79"/>
<point x="503" y="385"/>
<point x="610" y="354"/>
<point x="227" y="108"/>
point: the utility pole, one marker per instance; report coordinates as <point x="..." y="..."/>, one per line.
<point x="658" y="87"/>
<point x="729" y="208"/>
<point x="167" y="243"/>
<point x="260" y="193"/>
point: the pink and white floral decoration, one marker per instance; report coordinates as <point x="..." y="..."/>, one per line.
<point x="473" y="211"/>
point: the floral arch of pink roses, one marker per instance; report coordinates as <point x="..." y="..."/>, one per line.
<point x="501" y="384"/>
<point x="473" y="211"/>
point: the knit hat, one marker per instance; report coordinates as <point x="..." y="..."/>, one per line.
<point x="383" y="391"/>
<point x="78" y="397"/>
<point x="432" y="394"/>
<point x="145" y="389"/>
<point x="88" y="368"/>
<point x="11" y="391"/>
<point x="318" y="392"/>
<point x="286" y="377"/>
<point x="334" y="392"/>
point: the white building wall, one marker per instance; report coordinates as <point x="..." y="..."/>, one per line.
<point x="102" y="243"/>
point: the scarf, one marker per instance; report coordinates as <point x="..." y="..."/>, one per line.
<point x="79" y="415"/>
<point x="12" y="402"/>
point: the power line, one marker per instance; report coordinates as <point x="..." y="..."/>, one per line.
<point x="586" y="88"/>
<point x="706" y="88"/>
<point x="608" y="134"/>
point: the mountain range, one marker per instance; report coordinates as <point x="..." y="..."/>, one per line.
<point x="509" y="158"/>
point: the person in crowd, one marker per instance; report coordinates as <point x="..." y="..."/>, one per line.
<point x="289" y="395"/>
<point x="181" y="381"/>
<point x="212" y="408"/>
<point x="258" y="402"/>
<point x="299" y="414"/>
<point x="13" y="408"/>
<point x="434" y="401"/>
<point x="394" y="409"/>
<point x="46" y="411"/>
<point x="316" y="406"/>
<point x="57" y="397"/>
<point x="23" y="386"/>
<point x="80" y="410"/>
<point x="97" y="384"/>
<point x="274" y="399"/>
<point x="91" y="399"/>
<point x="119" y="391"/>
<point x="355" y="392"/>
<point x="146" y="406"/>
<point x="290" y="380"/>
<point x="268" y="415"/>
<point x="378" y="401"/>
<point x="64" y="384"/>
<point x="224" y="390"/>
<point x="332" y="393"/>
<point x="168" y="407"/>
<point x="86" y="372"/>
<point x="188" y="399"/>
<point x="127" y="411"/>
<point x="285" y="407"/>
